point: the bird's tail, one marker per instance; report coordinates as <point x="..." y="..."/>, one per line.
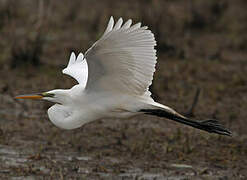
<point x="210" y="125"/>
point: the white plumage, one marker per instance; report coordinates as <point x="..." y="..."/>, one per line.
<point x="123" y="59"/>
<point x="114" y="77"/>
<point x="77" y="68"/>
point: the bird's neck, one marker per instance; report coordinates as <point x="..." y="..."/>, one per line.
<point x="66" y="96"/>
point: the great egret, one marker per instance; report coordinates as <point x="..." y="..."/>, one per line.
<point x="113" y="78"/>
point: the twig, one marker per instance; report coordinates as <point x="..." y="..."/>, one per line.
<point x="190" y="113"/>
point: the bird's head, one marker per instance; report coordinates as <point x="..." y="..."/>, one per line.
<point x="56" y="96"/>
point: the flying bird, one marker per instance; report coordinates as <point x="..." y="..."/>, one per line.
<point x="113" y="78"/>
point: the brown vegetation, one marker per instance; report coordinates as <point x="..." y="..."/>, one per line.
<point x="201" y="45"/>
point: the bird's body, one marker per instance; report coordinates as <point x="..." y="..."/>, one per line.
<point x="113" y="79"/>
<point x="81" y="107"/>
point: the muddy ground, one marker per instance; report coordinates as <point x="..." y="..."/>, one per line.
<point x="201" y="45"/>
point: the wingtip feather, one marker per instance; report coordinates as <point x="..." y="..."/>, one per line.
<point x="111" y="19"/>
<point x="118" y="24"/>
<point x="72" y="58"/>
<point x="80" y="57"/>
<point x="127" y="24"/>
<point x="109" y="26"/>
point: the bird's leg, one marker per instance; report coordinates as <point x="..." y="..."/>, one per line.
<point x="211" y="126"/>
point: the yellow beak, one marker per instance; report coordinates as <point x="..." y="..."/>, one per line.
<point x="30" y="96"/>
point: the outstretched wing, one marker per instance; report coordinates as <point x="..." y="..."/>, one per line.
<point x="122" y="60"/>
<point x="77" y="68"/>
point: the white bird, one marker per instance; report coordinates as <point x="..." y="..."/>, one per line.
<point x="113" y="78"/>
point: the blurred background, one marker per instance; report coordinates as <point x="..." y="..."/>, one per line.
<point x="202" y="45"/>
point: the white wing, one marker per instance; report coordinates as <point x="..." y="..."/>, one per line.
<point x="77" y="68"/>
<point x="122" y="60"/>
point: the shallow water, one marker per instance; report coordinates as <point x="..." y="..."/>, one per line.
<point x="27" y="162"/>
